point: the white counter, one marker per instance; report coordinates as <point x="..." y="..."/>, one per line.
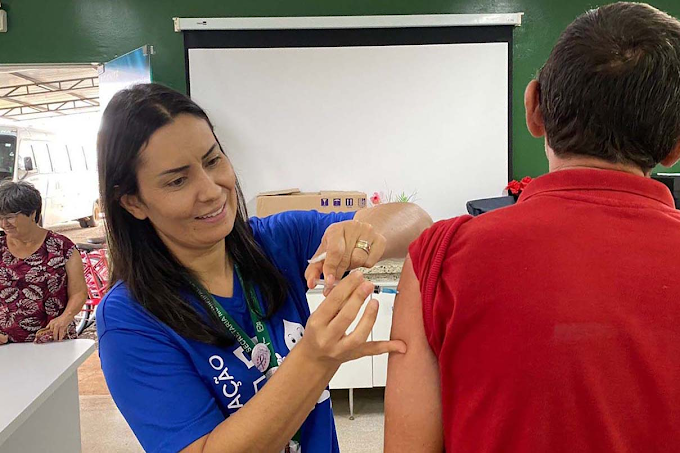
<point x="39" y="406"/>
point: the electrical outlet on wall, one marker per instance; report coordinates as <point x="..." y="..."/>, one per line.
<point x="3" y="21"/>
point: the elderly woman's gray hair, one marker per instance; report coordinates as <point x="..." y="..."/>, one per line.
<point x="20" y="197"/>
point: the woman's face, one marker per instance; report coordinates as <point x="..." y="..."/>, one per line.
<point x="187" y="186"/>
<point x="16" y="224"/>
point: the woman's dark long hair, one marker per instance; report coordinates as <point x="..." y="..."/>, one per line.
<point x="139" y="258"/>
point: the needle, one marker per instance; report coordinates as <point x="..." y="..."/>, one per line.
<point x="317" y="259"/>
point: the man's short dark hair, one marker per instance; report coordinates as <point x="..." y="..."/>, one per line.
<point x="20" y="197"/>
<point x="611" y="86"/>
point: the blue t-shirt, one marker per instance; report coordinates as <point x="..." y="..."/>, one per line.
<point x="173" y="391"/>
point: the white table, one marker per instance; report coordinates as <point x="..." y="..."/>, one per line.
<point x="39" y="406"/>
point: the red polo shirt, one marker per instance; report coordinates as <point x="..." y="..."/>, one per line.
<point x="556" y="321"/>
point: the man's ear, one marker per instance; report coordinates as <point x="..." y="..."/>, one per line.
<point x="133" y="205"/>
<point x="532" y="105"/>
<point x="672" y="157"/>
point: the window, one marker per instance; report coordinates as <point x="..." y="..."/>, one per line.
<point x="77" y="155"/>
<point x="42" y="157"/>
<point x="7" y="153"/>
<point x="90" y="157"/>
<point x="59" y="158"/>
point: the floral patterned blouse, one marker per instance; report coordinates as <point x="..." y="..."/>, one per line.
<point x="33" y="290"/>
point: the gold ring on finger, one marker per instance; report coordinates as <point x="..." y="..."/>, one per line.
<point x="363" y="245"/>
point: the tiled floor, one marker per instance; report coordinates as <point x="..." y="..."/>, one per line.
<point x="104" y="429"/>
<point x="365" y="432"/>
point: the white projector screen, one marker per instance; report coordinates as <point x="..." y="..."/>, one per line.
<point x="426" y="119"/>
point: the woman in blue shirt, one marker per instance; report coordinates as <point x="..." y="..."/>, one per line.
<point x="209" y="305"/>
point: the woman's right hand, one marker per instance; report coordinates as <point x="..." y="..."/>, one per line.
<point x="4" y="339"/>
<point x="325" y="340"/>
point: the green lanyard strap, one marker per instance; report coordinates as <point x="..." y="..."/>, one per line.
<point x="261" y="331"/>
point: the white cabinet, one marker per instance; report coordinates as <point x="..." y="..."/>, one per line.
<point x="381" y="332"/>
<point x="357" y="373"/>
<point x="365" y="372"/>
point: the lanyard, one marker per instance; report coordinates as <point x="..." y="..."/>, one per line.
<point x="261" y="353"/>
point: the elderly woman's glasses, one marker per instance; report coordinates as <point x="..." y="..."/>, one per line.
<point x="9" y="218"/>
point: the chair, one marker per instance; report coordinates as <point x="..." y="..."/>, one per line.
<point x="478" y="207"/>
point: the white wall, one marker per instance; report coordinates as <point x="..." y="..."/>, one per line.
<point x="425" y="118"/>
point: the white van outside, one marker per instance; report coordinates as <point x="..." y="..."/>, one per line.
<point x="64" y="171"/>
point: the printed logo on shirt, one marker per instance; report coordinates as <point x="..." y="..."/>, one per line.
<point x="230" y="386"/>
<point x="292" y="333"/>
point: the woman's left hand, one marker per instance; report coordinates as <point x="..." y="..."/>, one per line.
<point x="59" y="326"/>
<point x="348" y="245"/>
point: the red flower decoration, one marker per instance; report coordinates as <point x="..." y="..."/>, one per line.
<point x="514" y="187"/>
<point x="375" y="199"/>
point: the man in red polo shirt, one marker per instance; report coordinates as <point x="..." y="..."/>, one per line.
<point x="554" y="325"/>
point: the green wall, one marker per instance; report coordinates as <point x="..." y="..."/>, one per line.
<point x="75" y="31"/>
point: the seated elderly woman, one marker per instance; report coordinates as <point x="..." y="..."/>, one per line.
<point x="41" y="274"/>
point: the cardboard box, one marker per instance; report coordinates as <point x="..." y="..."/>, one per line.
<point x="269" y="203"/>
